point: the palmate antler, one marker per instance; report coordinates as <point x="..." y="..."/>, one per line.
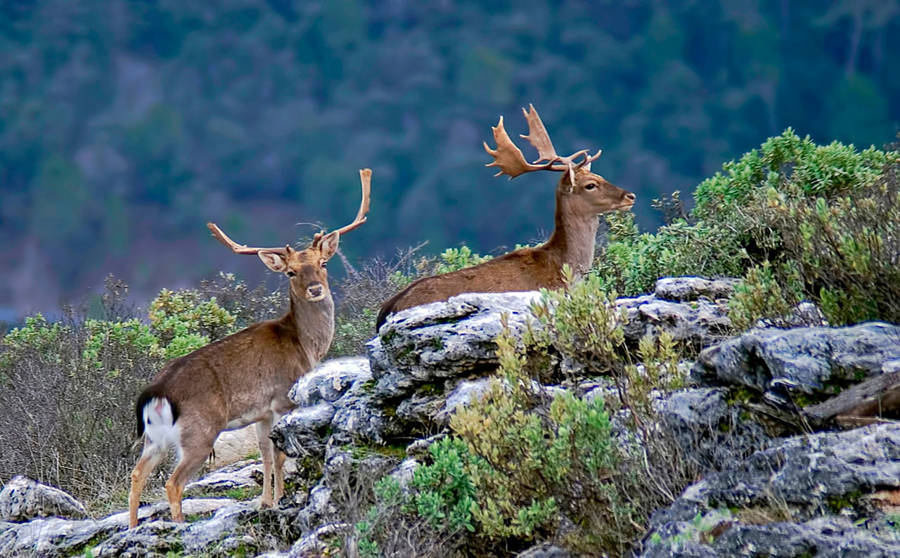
<point x="509" y="159"/>
<point x="365" y="178"/>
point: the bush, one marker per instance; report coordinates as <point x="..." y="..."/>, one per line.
<point x="787" y="159"/>
<point x="67" y="388"/>
<point x="631" y="262"/>
<point x="184" y="321"/>
<point x="842" y="251"/>
<point x="798" y="221"/>
<point x="429" y="517"/>
<point x="67" y="401"/>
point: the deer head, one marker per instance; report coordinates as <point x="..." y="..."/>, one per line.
<point x="305" y="268"/>
<point x="590" y="192"/>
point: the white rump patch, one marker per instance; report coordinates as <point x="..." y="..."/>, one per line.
<point x="159" y="427"/>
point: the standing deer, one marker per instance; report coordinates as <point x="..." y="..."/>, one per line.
<point x="580" y="197"/>
<point x="243" y="378"/>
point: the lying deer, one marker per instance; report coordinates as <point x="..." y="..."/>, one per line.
<point x="580" y="197"/>
<point x="245" y="377"/>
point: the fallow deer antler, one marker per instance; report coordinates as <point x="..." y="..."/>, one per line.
<point x="365" y="178"/>
<point x="509" y="159"/>
<point x="240" y="248"/>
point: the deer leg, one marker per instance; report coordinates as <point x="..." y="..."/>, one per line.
<point x="193" y="455"/>
<point x="280" y="457"/>
<point x="267" y="452"/>
<point x="150" y="458"/>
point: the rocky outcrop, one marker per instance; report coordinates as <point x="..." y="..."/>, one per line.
<point x="335" y="401"/>
<point x="23" y="499"/>
<point x="710" y="431"/>
<point x="718" y="535"/>
<point x="692" y="310"/>
<point x="110" y="536"/>
<point x="804" y="489"/>
<point x="812" y="361"/>
<point x="441" y="341"/>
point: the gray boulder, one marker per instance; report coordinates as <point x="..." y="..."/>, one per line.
<point x="52" y="537"/>
<point x="23" y="499"/>
<point x="710" y="431"/>
<point x="443" y="340"/>
<point x="336" y="401"/>
<point x="430" y="344"/>
<point x="686" y="289"/>
<point x="718" y="535"/>
<point x="811" y="476"/>
<point x="819" y="482"/>
<point x="817" y="361"/>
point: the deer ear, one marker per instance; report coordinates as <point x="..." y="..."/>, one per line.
<point x="273" y="261"/>
<point x="329" y="244"/>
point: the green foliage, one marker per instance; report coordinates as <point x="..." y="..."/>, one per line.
<point x="525" y="464"/>
<point x="37" y="337"/>
<point x="440" y="498"/>
<point x="453" y="259"/>
<point x="842" y="251"/>
<point x="113" y="346"/>
<point x="583" y="323"/>
<point x="798" y="221"/>
<point x="760" y="295"/>
<point x="788" y="159"/>
<point x="631" y="262"/>
<point x="185" y="323"/>
<point x="444" y="493"/>
<point x="66" y="400"/>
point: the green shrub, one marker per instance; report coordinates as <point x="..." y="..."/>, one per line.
<point x="431" y="516"/>
<point x="631" y="262"/>
<point x="453" y="259"/>
<point x="184" y="322"/>
<point x="760" y="295"/>
<point x="842" y="251"/>
<point x="817" y="170"/>
<point x="797" y="220"/>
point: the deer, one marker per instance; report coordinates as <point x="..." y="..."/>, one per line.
<point x="581" y="196"/>
<point x="243" y="378"/>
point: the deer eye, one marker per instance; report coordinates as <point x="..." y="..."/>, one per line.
<point x="290" y="273"/>
<point x="590" y="186"/>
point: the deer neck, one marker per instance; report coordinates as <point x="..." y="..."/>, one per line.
<point x="574" y="235"/>
<point x="314" y="325"/>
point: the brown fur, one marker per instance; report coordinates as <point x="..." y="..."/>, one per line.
<point x="526" y="269"/>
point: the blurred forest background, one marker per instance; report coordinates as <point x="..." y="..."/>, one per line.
<point x="125" y="126"/>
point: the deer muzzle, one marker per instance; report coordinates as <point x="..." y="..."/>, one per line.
<point x="315" y="292"/>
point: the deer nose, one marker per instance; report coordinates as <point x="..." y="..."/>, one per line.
<point x="628" y="196"/>
<point x="315" y="291"/>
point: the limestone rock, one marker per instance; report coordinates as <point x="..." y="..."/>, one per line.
<point x="808" y="360"/>
<point x="443" y="339"/>
<point x="23" y="499"/>
<point x="805" y="474"/>
<point x="686" y="289"/>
